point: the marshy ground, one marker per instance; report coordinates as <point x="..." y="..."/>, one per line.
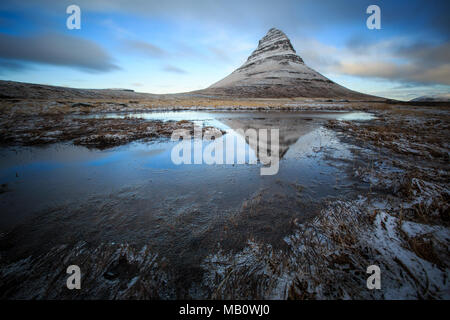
<point x="91" y="183"/>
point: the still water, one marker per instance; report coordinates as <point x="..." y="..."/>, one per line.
<point x="134" y="193"/>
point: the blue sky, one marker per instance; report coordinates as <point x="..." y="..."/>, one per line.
<point x="181" y="45"/>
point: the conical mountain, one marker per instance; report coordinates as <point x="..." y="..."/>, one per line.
<point x="274" y="70"/>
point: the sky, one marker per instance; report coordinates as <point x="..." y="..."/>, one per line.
<point x="183" y="45"/>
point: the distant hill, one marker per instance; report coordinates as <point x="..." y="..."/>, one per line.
<point x="21" y="90"/>
<point x="433" y="98"/>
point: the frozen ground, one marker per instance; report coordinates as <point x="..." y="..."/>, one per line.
<point x="350" y="193"/>
<point x="401" y="224"/>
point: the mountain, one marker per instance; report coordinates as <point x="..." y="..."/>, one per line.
<point x="433" y="98"/>
<point x="274" y="70"/>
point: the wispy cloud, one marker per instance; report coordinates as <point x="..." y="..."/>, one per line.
<point x="399" y="59"/>
<point x="412" y="15"/>
<point x="173" y="69"/>
<point x="210" y="38"/>
<point x="116" y="29"/>
<point x="145" y="48"/>
<point x="394" y="59"/>
<point x="402" y="72"/>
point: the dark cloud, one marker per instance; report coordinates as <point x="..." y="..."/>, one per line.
<point x="425" y="54"/>
<point x="55" y="49"/>
<point x="416" y="62"/>
<point x="409" y="72"/>
<point x="173" y="69"/>
<point x="145" y="48"/>
<point x="422" y="52"/>
<point x="358" y="44"/>
<point x="290" y="15"/>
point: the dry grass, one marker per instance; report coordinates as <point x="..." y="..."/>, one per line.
<point x="424" y="249"/>
<point x="113" y="271"/>
<point x="320" y="254"/>
<point x="406" y="161"/>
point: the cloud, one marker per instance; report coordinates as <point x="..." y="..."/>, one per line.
<point x="173" y="69"/>
<point x="6" y="65"/>
<point x="410" y="72"/>
<point x="118" y="30"/>
<point x="399" y="59"/>
<point x="212" y="30"/>
<point x="402" y="60"/>
<point x="145" y="48"/>
<point x="414" y="15"/>
<point x="55" y="49"/>
<point x="425" y="53"/>
<point x="315" y="53"/>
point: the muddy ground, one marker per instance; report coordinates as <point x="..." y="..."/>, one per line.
<point x="92" y="133"/>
